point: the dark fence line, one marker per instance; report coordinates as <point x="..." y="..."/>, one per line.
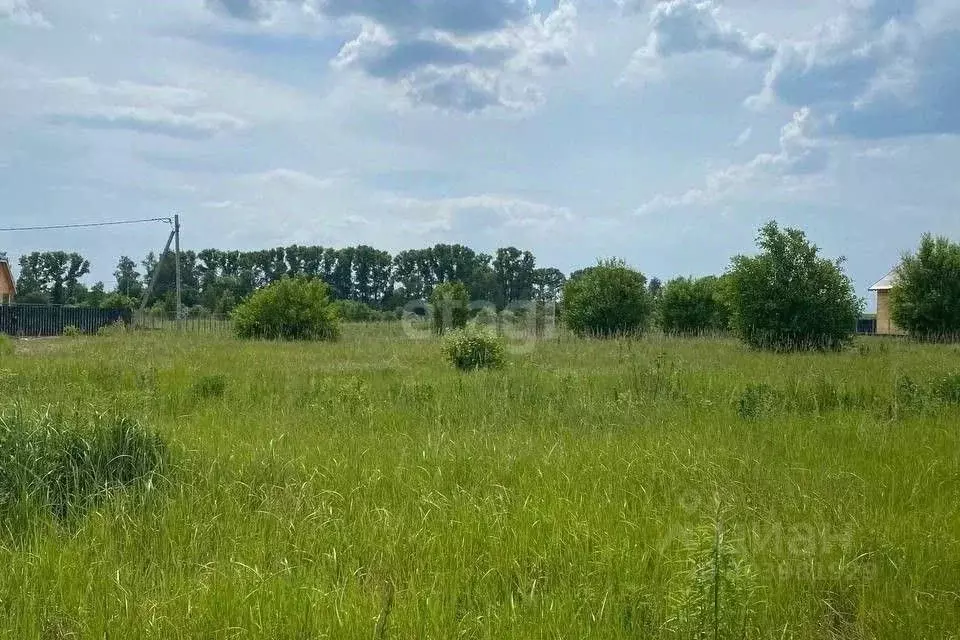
<point x="42" y="321"/>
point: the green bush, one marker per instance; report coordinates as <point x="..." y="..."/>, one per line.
<point x="450" y="307"/>
<point x="289" y="309"/>
<point x="608" y="300"/>
<point x="118" y="301"/>
<point x="788" y="298"/>
<point x="66" y="466"/>
<point x="353" y="311"/>
<point x="70" y="331"/>
<point x="474" y="348"/>
<point x="925" y="300"/>
<point x="689" y="306"/>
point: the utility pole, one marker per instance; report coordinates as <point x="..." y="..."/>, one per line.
<point x="156" y="271"/>
<point x="176" y="231"/>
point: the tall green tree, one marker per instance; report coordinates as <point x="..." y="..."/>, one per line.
<point x="548" y="284"/>
<point x="128" y="278"/>
<point x="925" y="300"/>
<point x="514" y="275"/>
<point x="450" y="302"/>
<point x="53" y="277"/>
<point x="788" y="297"/>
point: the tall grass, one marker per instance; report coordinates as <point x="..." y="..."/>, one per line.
<point x="602" y="489"/>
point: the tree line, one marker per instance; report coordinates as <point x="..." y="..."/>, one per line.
<point x="216" y="281"/>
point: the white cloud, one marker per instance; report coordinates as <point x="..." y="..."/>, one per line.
<point x="679" y="27"/>
<point x="156" y="109"/>
<point x="21" y="13"/>
<point x="878" y="70"/>
<point x="799" y="157"/>
<point x="456" y="55"/>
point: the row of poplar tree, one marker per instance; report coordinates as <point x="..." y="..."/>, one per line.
<point x="217" y="280"/>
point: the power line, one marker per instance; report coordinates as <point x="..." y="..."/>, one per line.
<point x="86" y="225"/>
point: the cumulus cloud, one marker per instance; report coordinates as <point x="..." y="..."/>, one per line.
<point x="800" y="155"/>
<point x="457" y="55"/>
<point x="158" y="109"/>
<point x="679" y="27"/>
<point x="876" y="71"/>
<point x="21" y="13"/>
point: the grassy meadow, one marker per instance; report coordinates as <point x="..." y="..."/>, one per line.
<point x="657" y="488"/>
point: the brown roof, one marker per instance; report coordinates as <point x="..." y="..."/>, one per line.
<point x="7" y="283"/>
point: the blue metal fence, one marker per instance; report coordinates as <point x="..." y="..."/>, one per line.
<point x="48" y="320"/>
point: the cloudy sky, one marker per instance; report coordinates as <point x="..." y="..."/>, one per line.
<point x="661" y="132"/>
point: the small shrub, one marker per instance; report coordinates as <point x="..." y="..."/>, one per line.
<point x="6" y="346"/>
<point x="947" y="389"/>
<point x="71" y="331"/>
<point x="290" y="309"/>
<point x="474" y="348"/>
<point x="608" y="300"/>
<point x="756" y="400"/>
<point x="450" y="305"/>
<point x="210" y="386"/>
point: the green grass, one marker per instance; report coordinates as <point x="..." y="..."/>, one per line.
<point x="365" y="489"/>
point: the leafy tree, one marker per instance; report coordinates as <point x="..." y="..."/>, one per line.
<point x="96" y="295"/>
<point x="788" y="297"/>
<point x="128" y="278"/>
<point x="925" y="300"/>
<point x="690" y="306"/>
<point x="341" y="278"/>
<point x="225" y="305"/>
<point x="451" y="307"/>
<point x="514" y="276"/>
<point x="371" y="274"/>
<point x="655" y="287"/>
<point x="289" y="309"/>
<point x="31" y="281"/>
<point x="52" y="276"/>
<point x="548" y="284"/>
<point x="607" y="300"/>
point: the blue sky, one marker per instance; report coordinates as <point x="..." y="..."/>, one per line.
<point x="661" y="132"/>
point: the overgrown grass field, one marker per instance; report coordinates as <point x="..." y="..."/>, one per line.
<point x="656" y="488"/>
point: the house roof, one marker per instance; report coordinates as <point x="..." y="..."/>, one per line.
<point x="886" y="283"/>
